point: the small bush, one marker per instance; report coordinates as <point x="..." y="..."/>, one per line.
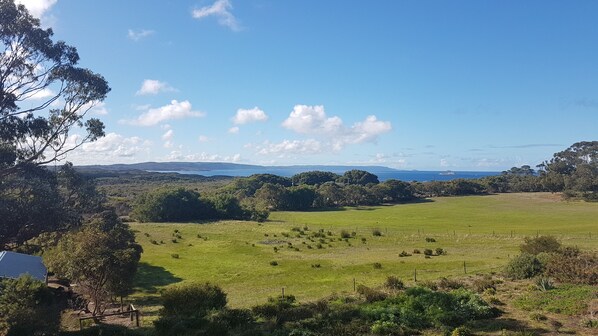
<point x="544" y="284"/>
<point x="147" y="234"/>
<point x="377" y="265"/>
<point x="429" y="284"/>
<point x="376" y="233"/>
<point x="404" y="254"/>
<point x="523" y="266"/>
<point x="316" y="265"/>
<point x="428" y="252"/>
<point x="320" y="246"/>
<point x="440" y="251"/>
<point x="154" y="242"/>
<point x="345" y="234"/>
<point x="540" y="244"/>
<point x="174" y="255"/>
<point x="363" y="240"/>
<point x="430" y="240"/>
<point x="416" y="251"/>
<point x="448" y="284"/>
<point x="274" y="263"/>
<point x="192" y="299"/>
<point x="394" y="283"/>
<point x="370" y="294"/>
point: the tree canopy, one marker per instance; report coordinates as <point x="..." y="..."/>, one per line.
<point x="44" y="96"/>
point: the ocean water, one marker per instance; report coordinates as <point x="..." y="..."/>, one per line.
<point x="403" y="175"/>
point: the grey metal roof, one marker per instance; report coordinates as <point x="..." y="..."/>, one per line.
<point x="13" y="265"/>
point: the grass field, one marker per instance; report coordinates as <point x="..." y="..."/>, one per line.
<point x="480" y="231"/>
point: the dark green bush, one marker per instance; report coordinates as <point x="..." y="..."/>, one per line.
<point x="428" y="252"/>
<point x="540" y="244"/>
<point x="192" y="299"/>
<point x="345" y="234"/>
<point x="523" y="266"/>
<point x="376" y="232"/>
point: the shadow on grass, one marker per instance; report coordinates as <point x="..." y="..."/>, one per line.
<point x="150" y="277"/>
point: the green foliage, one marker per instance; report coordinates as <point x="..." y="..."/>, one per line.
<point x="370" y="294"/>
<point x="544" y="284"/>
<point x="313" y="178"/>
<point x="360" y="177"/>
<point x="461" y="331"/>
<point x="168" y="206"/>
<point x="192" y="299"/>
<point x="523" y="266"/>
<point x="102" y="258"/>
<point x="540" y="244"/>
<point x="27" y="307"/>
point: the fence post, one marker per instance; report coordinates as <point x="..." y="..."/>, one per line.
<point x="415" y="274"/>
<point x="354" y="285"/>
<point x="283" y="293"/>
<point x="464" y="267"/>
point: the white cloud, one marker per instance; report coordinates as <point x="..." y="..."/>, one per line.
<point x="203" y="138"/>
<point x="220" y="9"/>
<point x="244" y="116"/>
<point x="312" y="119"/>
<point x="37" y="8"/>
<point x="109" y="149"/>
<point x="44" y="93"/>
<point x="137" y="35"/>
<point x="306" y="119"/>
<point x="233" y="130"/>
<point x="174" y="110"/>
<point x="167" y="137"/>
<point x="99" y="108"/>
<point x="309" y="146"/>
<point x="153" y="86"/>
<point x="195" y="157"/>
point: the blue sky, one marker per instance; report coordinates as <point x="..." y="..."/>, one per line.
<point x="429" y="85"/>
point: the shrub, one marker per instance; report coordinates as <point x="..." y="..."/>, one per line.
<point x="387" y="328"/>
<point x="430" y="240"/>
<point x="428" y="252"/>
<point x="154" y="242"/>
<point x="523" y="266"/>
<point x="27" y="308"/>
<point x="274" y="263"/>
<point x="544" y="284"/>
<point x="429" y="284"/>
<point x="363" y="240"/>
<point x="174" y="255"/>
<point x="316" y="265"/>
<point x="540" y="244"/>
<point x="376" y="233"/>
<point x="416" y="251"/>
<point x="174" y="240"/>
<point x="394" y="283"/>
<point x="448" y="284"/>
<point x="440" y="251"/>
<point x="192" y="299"/>
<point x="370" y="294"/>
<point x="345" y="234"/>
<point x="573" y="267"/>
<point x="377" y="265"/>
<point x="537" y="316"/>
<point x="404" y="254"/>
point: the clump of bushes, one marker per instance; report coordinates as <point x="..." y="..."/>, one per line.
<point x="430" y="240"/>
<point x="377" y="265"/>
<point x="484" y="283"/>
<point x="449" y="284"/>
<point x="428" y="252"/>
<point x="440" y="251"/>
<point x="274" y="263"/>
<point x="376" y="233"/>
<point x="370" y="294"/>
<point x="416" y="251"/>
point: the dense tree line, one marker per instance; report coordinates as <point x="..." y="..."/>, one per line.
<point x="573" y="171"/>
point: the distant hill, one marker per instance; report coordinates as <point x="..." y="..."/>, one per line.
<point x="212" y="166"/>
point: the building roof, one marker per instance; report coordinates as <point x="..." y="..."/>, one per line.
<point x="13" y="265"/>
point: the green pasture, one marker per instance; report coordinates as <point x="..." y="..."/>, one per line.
<point x="481" y="231"/>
